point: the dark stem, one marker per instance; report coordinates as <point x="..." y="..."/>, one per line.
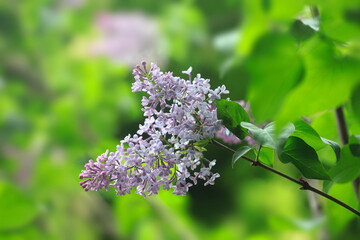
<point x="344" y="139"/>
<point x="341" y="126"/>
<point x="302" y="182"/>
<point x="314" y="11"/>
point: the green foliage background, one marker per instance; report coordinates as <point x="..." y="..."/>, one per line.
<point x="60" y="106"/>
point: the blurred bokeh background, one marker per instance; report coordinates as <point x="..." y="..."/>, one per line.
<point x="65" y="97"/>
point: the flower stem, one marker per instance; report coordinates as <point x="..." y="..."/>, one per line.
<point x="302" y="182"/>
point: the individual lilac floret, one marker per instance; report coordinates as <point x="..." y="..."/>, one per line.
<point x="164" y="152"/>
<point x="228" y="137"/>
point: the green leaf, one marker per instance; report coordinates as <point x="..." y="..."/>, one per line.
<point x="232" y="114"/>
<point x="267" y="156"/>
<point x="339" y="19"/>
<point x="354" y="139"/>
<point x="270" y="83"/>
<point x="16" y="208"/>
<point x="327" y="185"/>
<point x="264" y="137"/>
<point x="304" y="158"/>
<point x="354" y="144"/>
<point x="239" y="153"/>
<point x="328" y="81"/>
<point x="258" y="15"/>
<point x="355" y="149"/>
<point x="267" y="137"/>
<point x="304" y="131"/>
<point x="283" y="136"/>
<point x="301" y="31"/>
<point x="284" y="10"/>
<point x="347" y="168"/>
<point x="334" y="145"/>
<point x="201" y="149"/>
<point x="203" y="142"/>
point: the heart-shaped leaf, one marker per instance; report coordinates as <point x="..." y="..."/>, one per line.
<point x="304" y="157"/>
<point x="304" y="131"/>
<point x="267" y="136"/>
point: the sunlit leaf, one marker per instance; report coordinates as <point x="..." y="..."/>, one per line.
<point x="304" y="131"/>
<point x="267" y="156"/>
<point x="284" y="10"/>
<point x="270" y="83"/>
<point x="339" y="19"/>
<point x="258" y="15"/>
<point x="328" y="81"/>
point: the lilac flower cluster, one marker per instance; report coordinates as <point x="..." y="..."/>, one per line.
<point x="167" y="150"/>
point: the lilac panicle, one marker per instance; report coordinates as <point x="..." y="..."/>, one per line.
<point x="163" y="153"/>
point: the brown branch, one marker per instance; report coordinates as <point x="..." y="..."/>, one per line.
<point x="344" y="139"/>
<point x="302" y="182"/>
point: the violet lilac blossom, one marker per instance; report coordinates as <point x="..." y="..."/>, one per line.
<point x="164" y="152"/>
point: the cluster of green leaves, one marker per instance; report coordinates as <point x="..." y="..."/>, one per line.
<point x="296" y="143"/>
<point x="302" y="62"/>
<point x="299" y="60"/>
